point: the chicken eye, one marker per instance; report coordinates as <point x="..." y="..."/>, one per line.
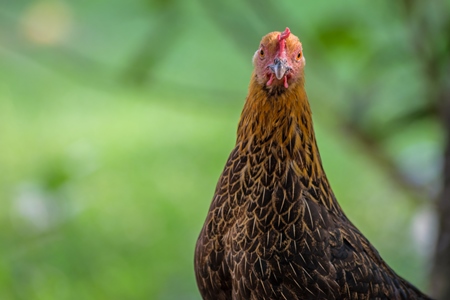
<point x="261" y="53"/>
<point x="299" y="56"/>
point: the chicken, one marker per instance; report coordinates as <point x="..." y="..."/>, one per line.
<point x="275" y="229"/>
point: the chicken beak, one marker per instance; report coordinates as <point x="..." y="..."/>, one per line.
<point x="279" y="67"/>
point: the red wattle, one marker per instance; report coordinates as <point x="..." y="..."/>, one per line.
<point x="270" y="80"/>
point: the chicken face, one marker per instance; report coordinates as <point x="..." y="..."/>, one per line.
<point x="279" y="60"/>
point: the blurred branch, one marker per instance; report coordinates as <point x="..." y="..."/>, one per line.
<point x="271" y="15"/>
<point x="239" y="29"/>
<point x="441" y="267"/>
<point x="66" y="58"/>
<point x="243" y="33"/>
<point x="429" y="111"/>
<point x="431" y="45"/>
<point x="374" y="150"/>
<point x="154" y="48"/>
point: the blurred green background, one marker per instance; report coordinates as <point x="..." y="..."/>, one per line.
<point x="116" y="119"/>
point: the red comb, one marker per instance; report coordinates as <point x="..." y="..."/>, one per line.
<point x="285" y="34"/>
<point x="282" y="39"/>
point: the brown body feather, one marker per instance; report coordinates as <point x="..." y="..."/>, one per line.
<point x="274" y="229"/>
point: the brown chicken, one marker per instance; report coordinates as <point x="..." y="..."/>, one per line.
<point x="274" y="229"/>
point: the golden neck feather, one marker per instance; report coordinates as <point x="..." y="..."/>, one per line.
<point x="280" y="119"/>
